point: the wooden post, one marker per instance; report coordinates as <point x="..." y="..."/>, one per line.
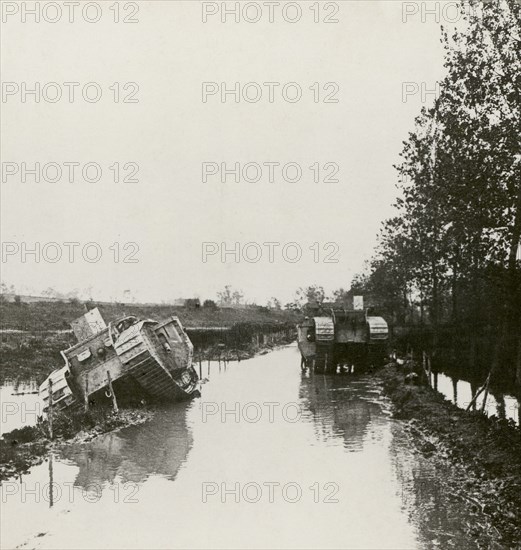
<point x="484" y="404"/>
<point x="51" y="482"/>
<point x="49" y="409"/>
<point x="86" y="393"/>
<point x="426" y="367"/>
<point x="200" y="367"/>
<point x="111" y="389"/>
<point x="478" y="393"/>
<point x="455" y="390"/>
<point x="501" y="406"/>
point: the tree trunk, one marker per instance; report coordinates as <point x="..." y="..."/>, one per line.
<point x="473" y="351"/>
<point x="501" y="406"/>
<point x="435" y="305"/>
<point x="454" y="294"/>
<point x="512" y="297"/>
<point x="518" y="366"/>
<point x="455" y="390"/>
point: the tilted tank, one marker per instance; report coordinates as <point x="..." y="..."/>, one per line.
<point x="339" y="339"/>
<point x="155" y="356"/>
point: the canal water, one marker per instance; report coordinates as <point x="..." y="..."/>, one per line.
<point x="460" y="392"/>
<point x="267" y="457"/>
<point x="19" y="405"/>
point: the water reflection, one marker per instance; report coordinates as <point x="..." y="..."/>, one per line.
<point x="460" y="392"/>
<point x="442" y="518"/>
<point x="351" y="412"/>
<point x="20" y="405"/>
<point x="387" y="494"/>
<point x="134" y="454"/>
<point x="344" y="408"/>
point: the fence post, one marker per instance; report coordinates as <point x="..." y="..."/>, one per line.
<point x="87" y="392"/>
<point x="49" y="410"/>
<point x="114" y="402"/>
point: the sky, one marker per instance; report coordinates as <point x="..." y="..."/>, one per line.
<point x="147" y="233"/>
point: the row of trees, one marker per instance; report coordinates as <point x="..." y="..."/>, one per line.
<point x="451" y="252"/>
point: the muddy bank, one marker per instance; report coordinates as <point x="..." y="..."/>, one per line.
<point x="26" y="447"/>
<point x="487" y="450"/>
<point x="27" y="355"/>
<point x="258" y="344"/>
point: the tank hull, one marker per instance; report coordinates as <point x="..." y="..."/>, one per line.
<point x="149" y="358"/>
<point x="343" y="341"/>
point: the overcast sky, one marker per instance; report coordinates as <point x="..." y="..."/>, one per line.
<point x="170" y="212"/>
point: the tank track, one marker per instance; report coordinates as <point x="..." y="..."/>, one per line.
<point x="376" y="354"/>
<point x="324" y="359"/>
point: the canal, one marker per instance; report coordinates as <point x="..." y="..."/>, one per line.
<point x="267" y="457"/>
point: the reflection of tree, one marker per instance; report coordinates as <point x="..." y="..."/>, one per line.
<point x="429" y="493"/>
<point x="340" y="409"/>
<point x="501" y="409"/>
<point x="159" y="447"/>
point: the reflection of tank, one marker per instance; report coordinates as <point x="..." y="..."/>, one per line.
<point x="342" y="339"/>
<point x="160" y="447"/>
<point x="340" y="410"/>
<point x="155" y="357"/>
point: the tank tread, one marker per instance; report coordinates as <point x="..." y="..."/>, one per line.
<point x="376" y="355"/>
<point x="324" y="358"/>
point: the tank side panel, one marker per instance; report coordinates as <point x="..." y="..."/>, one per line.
<point x="96" y="378"/>
<point x="89" y="362"/>
<point x="307" y="349"/>
<point x="180" y="354"/>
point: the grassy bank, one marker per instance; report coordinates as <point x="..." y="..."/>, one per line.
<point x="48" y="316"/>
<point x="34" y="334"/>
<point x="30" y="356"/>
<point x="488" y="449"/>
